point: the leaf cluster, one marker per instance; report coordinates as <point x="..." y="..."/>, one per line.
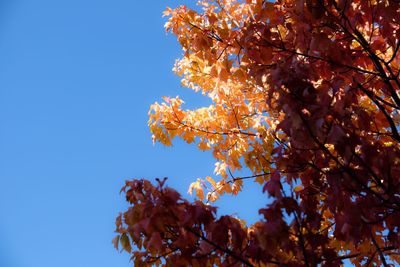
<point x="305" y="97"/>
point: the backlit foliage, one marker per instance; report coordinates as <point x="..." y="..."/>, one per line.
<point x="305" y="97"/>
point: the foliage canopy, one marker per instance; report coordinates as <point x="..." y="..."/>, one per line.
<point x="305" y="96"/>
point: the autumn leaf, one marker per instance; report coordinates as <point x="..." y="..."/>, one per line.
<point x="198" y="187"/>
<point x="125" y="243"/>
<point x="305" y="102"/>
<point x="115" y="242"/>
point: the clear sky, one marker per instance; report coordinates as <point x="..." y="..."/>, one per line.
<point x="76" y="81"/>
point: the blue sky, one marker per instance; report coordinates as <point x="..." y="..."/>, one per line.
<point x="76" y="80"/>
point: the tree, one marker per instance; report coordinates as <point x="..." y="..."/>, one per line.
<point x="305" y="96"/>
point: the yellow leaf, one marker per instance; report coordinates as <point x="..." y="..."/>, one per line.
<point x="204" y="146"/>
<point x="260" y="179"/>
<point x="237" y="186"/>
<point x="211" y="181"/>
<point x="212" y="196"/>
<point x="199" y="190"/>
<point x="298" y="188"/>
<point x="200" y="193"/>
